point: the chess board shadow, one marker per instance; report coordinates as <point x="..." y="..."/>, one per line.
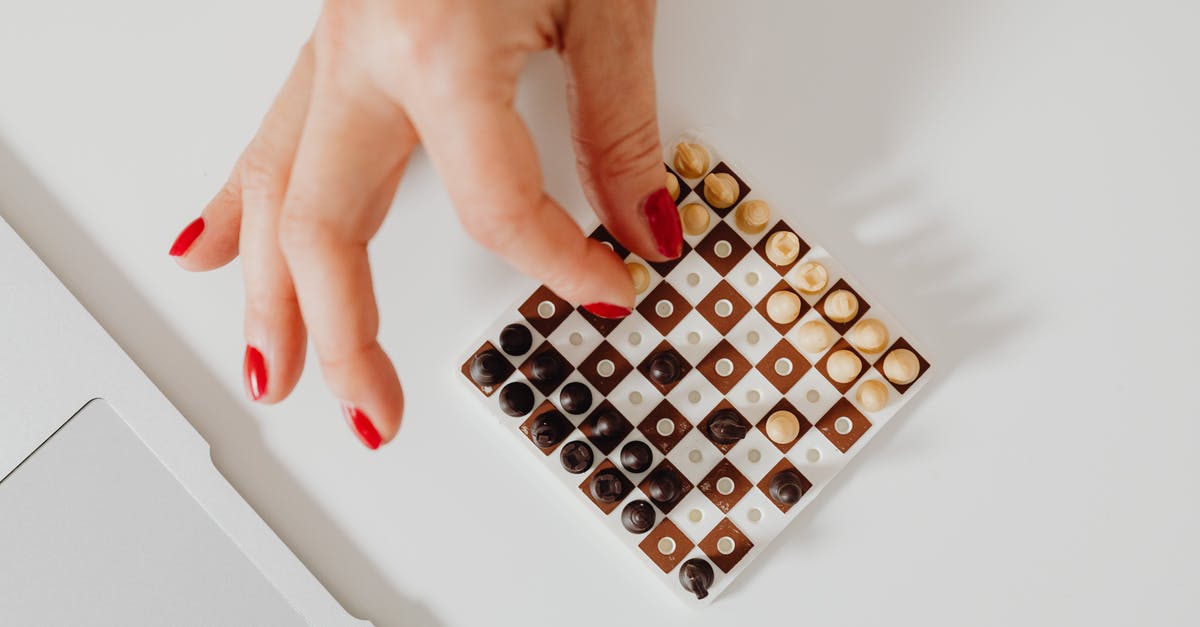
<point x="837" y="146"/>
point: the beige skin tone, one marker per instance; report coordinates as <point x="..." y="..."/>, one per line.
<point x="377" y="77"/>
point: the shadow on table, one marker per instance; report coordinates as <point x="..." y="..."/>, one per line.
<point x="97" y="282"/>
<point x="842" y="141"/>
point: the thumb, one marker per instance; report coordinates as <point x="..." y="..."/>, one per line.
<point x="608" y="50"/>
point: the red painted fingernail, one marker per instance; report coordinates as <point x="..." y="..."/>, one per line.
<point x="186" y="237"/>
<point x="605" y="310"/>
<point x="255" y="371"/>
<point x="663" y="217"/>
<point x="362" y="426"/>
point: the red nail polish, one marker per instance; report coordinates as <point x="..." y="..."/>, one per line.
<point x="605" y="310"/>
<point x="663" y="217"/>
<point x="255" y="371"/>
<point x="362" y="426"/>
<point x="186" y="237"/>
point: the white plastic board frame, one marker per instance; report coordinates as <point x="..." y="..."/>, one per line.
<point x="723" y="269"/>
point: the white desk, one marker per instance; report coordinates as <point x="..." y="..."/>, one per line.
<point x="1016" y="180"/>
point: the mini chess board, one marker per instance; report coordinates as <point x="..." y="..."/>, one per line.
<point x="697" y="427"/>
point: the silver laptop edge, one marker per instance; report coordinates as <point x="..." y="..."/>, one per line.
<point x="55" y="358"/>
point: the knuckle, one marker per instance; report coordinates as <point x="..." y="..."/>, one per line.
<point x="230" y="193"/>
<point x="337" y="358"/>
<point x="494" y="230"/>
<point x="634" y="151"/>
<point x="257" y="170"/>
<point x="570" y="277"/>
<point x="330" y="34"/>
<point x="566" y="285"/>
<point x="445" y="39"/>
<point x="439" y="26"/>
<point x="417" y="41"/>
<point x="298" y="232"/>
<point x="499" y="226"/>
<point x="269" y="304"/>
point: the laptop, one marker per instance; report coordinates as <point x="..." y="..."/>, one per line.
<point x="111" y="511"/>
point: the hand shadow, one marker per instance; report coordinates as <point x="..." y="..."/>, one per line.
<point x="232" y="432"/>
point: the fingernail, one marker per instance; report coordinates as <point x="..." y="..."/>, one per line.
<point x="255" y="371"/>
<point x="663" y="217"/>
<point x="186" y="237"/>
<point x="362" y="426"/>
<point x="605" y="310"/>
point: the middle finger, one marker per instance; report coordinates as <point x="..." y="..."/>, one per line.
<point x="274" y="328"/>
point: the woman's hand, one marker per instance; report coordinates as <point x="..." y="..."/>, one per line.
<point x="378" y="76"/>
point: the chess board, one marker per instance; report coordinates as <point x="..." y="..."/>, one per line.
<point x="708" y="311"/>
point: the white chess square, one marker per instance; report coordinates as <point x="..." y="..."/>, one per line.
<point x="755" y="455"/>
<point x="635" y="397"/>
<point x="694" y="396"/>
<point x="634" y="338"/>
<point x="753" y="336"/>
<point x="694" y="278"/>
<point x="694" y="337"/>
<point x="752" y="277"/>
<point x="575" y="338"/>
<point x="694" y="456"/>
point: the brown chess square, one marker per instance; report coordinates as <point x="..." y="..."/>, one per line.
<point x="647" y="363"/>
<point x="783" y="366"/>
<point x="782" y="327"/>
<point x="761" y="247"/>
<point x="664" y="307"/>
<point x="684" y="189"/>
<point x="843" y="424"/>
<point x="743" y="188"/>
<point x="666" y="545"/>
<point x="667" y="468"/>
<point x="544" y="310"/>
<point x="621" y="428"/>
<point x="722" y="248"/>
<point x="902" y="343"/>
<point x="822" y="365"/>
<point x="586" y="486"/>
<point x="726" y="545"/>
<point x="723" y="307"/>
<point x="842" y="327"/>
<point x="527" y="426"/>
<point x="601" y="234"/>
<point x="605" y="368"/>
<point x="663" y="268"/>
<point x="724" y="485"/>
<point x="784" y="405"/>
<point x="765" y="484"/>
<point x="724" y="366"/>
<point x="603" y="325"/>
<point x="702" y="426"/>
<point x="664" y="427"/>
<point x="547" y="385"/>
<point x="487" y="390"/>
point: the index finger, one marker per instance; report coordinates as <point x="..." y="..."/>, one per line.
<point x="488" y="163"/>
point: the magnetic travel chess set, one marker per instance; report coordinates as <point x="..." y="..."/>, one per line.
<point x="751" y="370"/>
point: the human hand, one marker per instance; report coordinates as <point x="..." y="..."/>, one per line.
<point x="377" y="76"/>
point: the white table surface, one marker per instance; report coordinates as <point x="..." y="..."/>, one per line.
<point x="1017" y="180"/>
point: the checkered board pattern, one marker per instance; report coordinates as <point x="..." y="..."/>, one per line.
<point x="725" y="514"/>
